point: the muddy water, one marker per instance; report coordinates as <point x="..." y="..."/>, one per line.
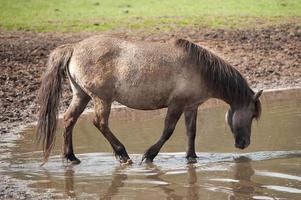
<point x="269" y="169"/>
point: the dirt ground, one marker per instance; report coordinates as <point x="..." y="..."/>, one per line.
<point x="269" y="58"/>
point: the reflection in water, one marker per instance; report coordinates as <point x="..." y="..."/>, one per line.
<point x="243" y="173"/>
<point x="193" y="187"/>
<point x="119" y="178"/>
<point x="117" y="182"/>
<point x="232" y="176"/>
<point x="167" y="190"/>
<point x="241" y="185"/>
<point x="245" y="188"/>
<point x="69" y="182"/>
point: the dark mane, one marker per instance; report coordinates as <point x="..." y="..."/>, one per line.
<point x="219" y="75"/>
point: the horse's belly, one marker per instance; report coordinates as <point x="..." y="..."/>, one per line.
<point x="143" y="97"/>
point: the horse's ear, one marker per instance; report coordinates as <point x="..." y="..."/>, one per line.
<point x="257" y="95"/>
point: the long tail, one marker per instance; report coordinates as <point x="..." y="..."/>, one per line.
<point x="49" y="97"/>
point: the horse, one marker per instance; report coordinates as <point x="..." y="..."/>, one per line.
<point x="178" y="75"/>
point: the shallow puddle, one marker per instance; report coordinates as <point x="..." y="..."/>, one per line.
<point x="269" y="169"/>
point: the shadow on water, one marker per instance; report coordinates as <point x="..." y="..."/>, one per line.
<point x="269" y="169"/>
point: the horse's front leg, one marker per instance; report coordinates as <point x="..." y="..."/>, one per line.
<point x="101" y="121"/>
<point x="173" y="114"/>
<point x="190" y="123"/>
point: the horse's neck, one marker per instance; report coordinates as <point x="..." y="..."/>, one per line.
<point x="216" y="95"/>
<point x="231" y="101"/>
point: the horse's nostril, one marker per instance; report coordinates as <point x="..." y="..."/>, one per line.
<point x="240" y="144"/>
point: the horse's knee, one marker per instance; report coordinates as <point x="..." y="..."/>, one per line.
<point x="100" y="125"/>
<point x="96" y="122"/>
<point x="69" y="122"/>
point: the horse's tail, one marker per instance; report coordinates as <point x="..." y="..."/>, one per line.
<point x="49" y="96"/>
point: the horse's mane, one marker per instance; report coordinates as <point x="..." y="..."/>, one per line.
<point x="219" y="75"/>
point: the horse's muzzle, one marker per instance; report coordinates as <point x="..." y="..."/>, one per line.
<point x="242" y="144"/>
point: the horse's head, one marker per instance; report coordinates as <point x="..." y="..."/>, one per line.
<point x="240" y="120"/>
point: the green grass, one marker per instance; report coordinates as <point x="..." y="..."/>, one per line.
<point x="78" y="15"/>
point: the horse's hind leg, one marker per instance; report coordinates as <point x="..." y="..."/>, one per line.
<point x="190" y="123"/>
<point x="102" y="112"/>
<point x="77" y="106"/>
<point x="173" y="114"/>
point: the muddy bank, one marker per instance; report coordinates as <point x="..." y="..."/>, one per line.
<point x="268" y="58"/>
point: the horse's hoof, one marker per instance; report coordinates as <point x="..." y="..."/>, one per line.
<point x="191" y="160"/>
<point x="126" y="162"/>
<point x="75" y="161"/>
<point x="147" y="160"/>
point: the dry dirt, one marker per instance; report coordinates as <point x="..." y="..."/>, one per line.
<point x="268" y="58"/>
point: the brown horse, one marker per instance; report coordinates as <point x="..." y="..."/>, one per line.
<point x="179" y="75"/>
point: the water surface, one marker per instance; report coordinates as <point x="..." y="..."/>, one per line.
<point x="269" y="169"/>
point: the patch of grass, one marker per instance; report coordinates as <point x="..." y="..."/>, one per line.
<point x="77" y="15"/>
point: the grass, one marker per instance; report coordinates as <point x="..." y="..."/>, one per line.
<point x="98" y="15"/>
